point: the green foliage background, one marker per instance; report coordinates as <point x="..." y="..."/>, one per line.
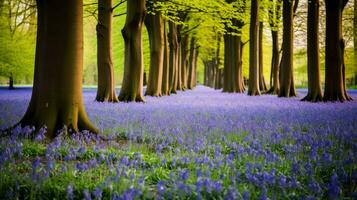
<point x="17" y="52"/>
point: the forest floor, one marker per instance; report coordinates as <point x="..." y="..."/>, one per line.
<point x="196" y="144"/>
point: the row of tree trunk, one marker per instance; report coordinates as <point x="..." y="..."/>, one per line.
<point x="282" y="77"/>
<point x="172" y="62"/>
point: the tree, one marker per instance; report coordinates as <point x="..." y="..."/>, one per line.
<point x="262" y="85"/>
<point x="287" y="88"/>
<point x="166" y="64"/>
<point x="132" y="86"/>
<point x="106" y="83"/>
<point x="335" y="87"/>
<point x="233" y="50"/>
<point x="253" y="86"/>
<point x="154" y="23"/>
<point x="313" y="61"/>
<point x="57" y="91"/>
<point x="274" y="21"/>
<point x="173" y="61"/>
<point x="191" y="64"/>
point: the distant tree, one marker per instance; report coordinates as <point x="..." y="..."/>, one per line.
<point x="106" y="83"/>
<point x="253" y="86"/>
<point x="191" y="64"/>
<point x="132" y="86"/>
<point x="287" y="87"/>
<point x="57" y="91"/>
<point x="313" y="58"/>
<point x="335" y="86"/>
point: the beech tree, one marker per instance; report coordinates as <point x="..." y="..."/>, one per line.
<point x="313" y="58"/>
<point x="106" y="83"/>
<point x="286" y="75"/>
<point x="56" y="99"/>
<point x="335" y="86"/>
<point x="274" y="11"/>
<point x="165" y="89"/>
<point x="154" y="23"/>
<point x="233" y="52"/>
<point x="174" y="56"/>
<point x="253" y="86"/>
<point x="132" y="86"/>
<point x="262" y="85"/>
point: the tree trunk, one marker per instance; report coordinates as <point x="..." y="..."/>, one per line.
<point x="262" y="85"/>
<point x="106" y="83"/>
<point x="179" y="60"/>
<point x="57" y="91"/>
<point x="233" y="72"/>
<point x="313" y="61"/>
<point x="173" y="42"/>
<point x="155" y="27"/>
<point x="132" y="87"/>
<point x="253" y="87"/>
<point x="11" y="82"/>
<point x="184" y="62"/>
<point x="275" y="61"/>
<point x="335" y="88"/>
<point x="145" y="79"/>
<point x="287" y="88"/>
<point x="195" y="66"/>
<point x="191" y="64"/>
<point x="166" y="65"/>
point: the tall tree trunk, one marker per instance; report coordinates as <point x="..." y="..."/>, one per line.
<point x="262" y="85"/>
<point x="155" y="27"/>
<point x="233" y="73"/>
<point x="11" y="82"/>
<point x="179" y="60"/>
<point x="287" y="88"/>
<point x="132" y="87"/>
<point x="57" y="91"/>
<point x="184" y="61"/>
<point x="335" y="87"/>
<point x="173" y="57"/>
<point x="165" y="89"/>
<point x="106" y="83"/>
<point x="253" y="87"/>
<point x="191" y="63"/>
<point x="145" y="82"/>
<point x="313" y="57"/>
<point x="195" y="57"/>
<point x="274" y="19"/>
<point x="275" y="61"/>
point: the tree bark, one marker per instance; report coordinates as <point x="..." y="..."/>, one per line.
<point x="262" y="85"/>
<point x="132" y="87"/>
<point x="287" y="88"/>
<point x="56" y="100"/>
<point x="184" y="62"/>
<point x="195" y="66"/>
<point x="274" y="19"/>
<point x="191" y="64"/>
<point x="253" y="86"/>
<point x="166" y="65"/>
<point x="155" y="27"/>
<point x="335" y="87"/>
<point x="313" y="57"/>
<point x="179" y="60"/>
<point x="11" y="82"/>
<point x="173" y="42"/>
<point x="233" y="69"/>
<point x="106" y="83"/>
